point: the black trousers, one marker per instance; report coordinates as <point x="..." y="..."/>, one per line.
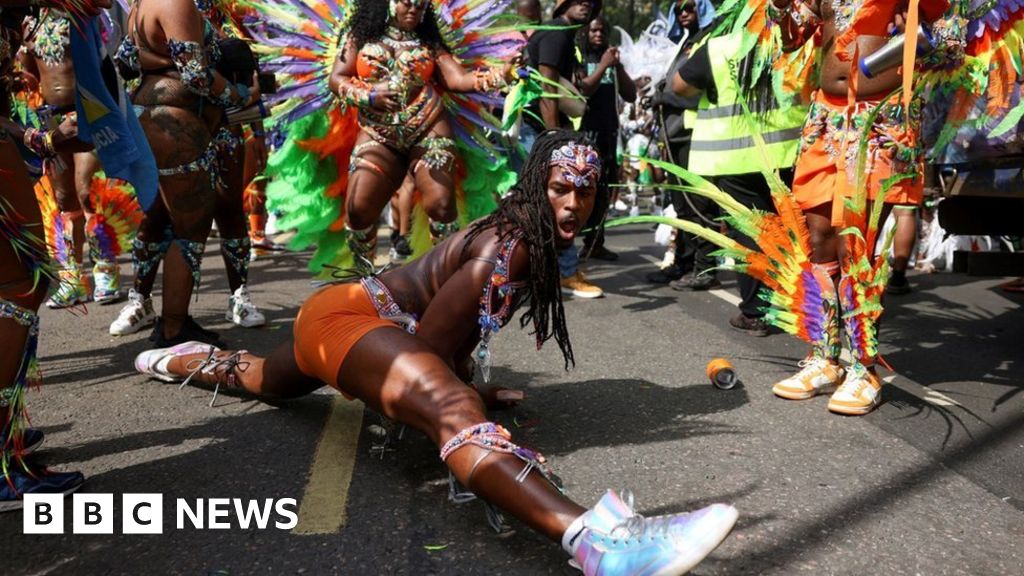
<point x="752" y="191"/>
<point x="607" y="145"/>
<point x="693" y="253"/>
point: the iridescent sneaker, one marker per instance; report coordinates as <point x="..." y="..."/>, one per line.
<point x="616" y="541"/>
<point x="153" y="363"/>
<point x="860" y="393"/>
<point x="18" y="483"/>
<point x="106" y="278"/>
<point x="242" y="312"/>
<point x="136" y="315"/>
<point x="817" y="376"/>
<point x="71" y="291"/>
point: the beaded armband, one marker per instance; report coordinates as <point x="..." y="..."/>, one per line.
<point x="188" y="58"/>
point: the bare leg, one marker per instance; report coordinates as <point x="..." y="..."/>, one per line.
<point x="18" y="285"/>
<point x="178" y="137"/>
<point x="433" y="169"/>
<point x="401" y="377"/>
<point x="62" y="174"/>
<point x="905" y="239"/>
<point x="229" y="214"/>
<point x="402" y="205"/>
<point x="276" y="376"/>
<point x="378" y="173"/>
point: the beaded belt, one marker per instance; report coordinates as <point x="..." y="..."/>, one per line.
<point x="386" y="306"/>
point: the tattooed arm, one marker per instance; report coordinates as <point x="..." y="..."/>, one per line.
<point x="182" y="26"/>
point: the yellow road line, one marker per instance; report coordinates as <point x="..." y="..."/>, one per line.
<point x="323" y="508"/>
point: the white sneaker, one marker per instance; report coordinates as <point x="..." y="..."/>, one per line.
<point x="135" y="316"/>
<point x="242" y="312"/>
<point x="817" y="376"/>
<point x="860" y="393"/>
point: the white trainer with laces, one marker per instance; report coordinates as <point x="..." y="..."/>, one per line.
<point x="242" y="312"/>
<point x="136" y="315"/>
<point x="860" y="393"/>
<point x="817" y="376"/>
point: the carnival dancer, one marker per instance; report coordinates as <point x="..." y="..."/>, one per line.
<point x="834" y="161"/>
<point x="854" y="149"/>
<point x="171" y="48"/>
<point x="359" y="338"/>
<point x="229" y="212"/>
<point x="24" y="273"/>
<point x="409" y="89"/>
<point x="89" y="206"/>
<point x="388" y="68"/>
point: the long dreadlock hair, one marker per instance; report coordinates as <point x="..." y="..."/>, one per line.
<point x="370" y="21"/>
<point x="527" y="211"/>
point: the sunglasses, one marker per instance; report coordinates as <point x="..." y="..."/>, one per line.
<point x="688" y="8"/>
<point x="421" y="4"/>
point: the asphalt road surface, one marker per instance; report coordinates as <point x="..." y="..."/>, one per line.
<point x="929" y="484"/>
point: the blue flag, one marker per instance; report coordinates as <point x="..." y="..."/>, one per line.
<point x="106" y="119"/>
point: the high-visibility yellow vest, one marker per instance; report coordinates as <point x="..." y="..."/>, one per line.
<point x="722" y="136"/>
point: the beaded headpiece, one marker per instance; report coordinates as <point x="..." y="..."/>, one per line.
<point x="393" y="6"/>
<point x="580" y="164"/>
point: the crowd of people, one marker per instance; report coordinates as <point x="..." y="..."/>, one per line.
<point x="758" y="159"/>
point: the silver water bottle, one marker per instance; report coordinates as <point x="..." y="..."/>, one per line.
<point x="891" y="55"/>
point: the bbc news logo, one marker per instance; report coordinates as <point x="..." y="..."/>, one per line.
<point x="144" y="514"/>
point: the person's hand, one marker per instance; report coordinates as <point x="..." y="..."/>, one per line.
<point x="899" y="24"/>
<point x="383" y="98"/>
<point x="511" y="70"/>
<point x="610" y="58"/>
<point x="68" y="129"/>
<point x="254" y="91"/>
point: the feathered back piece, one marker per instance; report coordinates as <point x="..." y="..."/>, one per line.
<point x="976" y="106"/>
<point x="116" y="217"/>
<point x="298" y="41"/>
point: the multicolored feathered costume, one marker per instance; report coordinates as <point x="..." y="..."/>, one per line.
<point x="300" y="40"/>
<point x="113" y="215"/>
<point x="811" y="300"/>
<point x="975" y="110"/>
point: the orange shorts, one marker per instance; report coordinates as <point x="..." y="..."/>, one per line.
<point x="329" y="324"/>
<point x="893" y="152"/>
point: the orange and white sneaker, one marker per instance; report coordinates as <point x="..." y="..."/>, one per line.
<point x="578" y="286"/>
<point x="817" y="376"/>
<point x="860" y="393"/>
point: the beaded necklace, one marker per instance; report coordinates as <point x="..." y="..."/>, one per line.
<point x="492" y="320"/>
<point x="398" y="39"/>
